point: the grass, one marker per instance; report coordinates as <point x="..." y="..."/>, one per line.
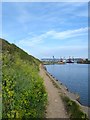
<point x="23" y="92"/>
<point x="73" y="109"/>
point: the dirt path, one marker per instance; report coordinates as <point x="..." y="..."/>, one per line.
<point x="55" y="107"/>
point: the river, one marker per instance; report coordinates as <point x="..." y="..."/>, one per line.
<point x="74" y="77"/>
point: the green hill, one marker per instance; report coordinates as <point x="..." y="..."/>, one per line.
<point x="23" y="91"/>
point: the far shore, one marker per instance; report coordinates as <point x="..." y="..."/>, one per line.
<point x="73" y="96"/>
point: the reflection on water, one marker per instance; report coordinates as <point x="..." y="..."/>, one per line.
<point x="74" y="76"/>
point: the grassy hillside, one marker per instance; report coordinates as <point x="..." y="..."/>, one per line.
<point x="24" y="95"/>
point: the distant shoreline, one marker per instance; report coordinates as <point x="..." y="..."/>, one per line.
<point x="64" y="63"/>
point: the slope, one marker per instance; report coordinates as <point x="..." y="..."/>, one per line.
<point x="23" y="90"/>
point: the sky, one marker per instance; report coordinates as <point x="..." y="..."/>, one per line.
<point x="46" y="29"/>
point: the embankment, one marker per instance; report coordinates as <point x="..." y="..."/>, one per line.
<point x="24" y="95"/>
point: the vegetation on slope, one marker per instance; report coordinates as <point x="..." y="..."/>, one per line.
<point x="24" y="95"/>
<point x="73" y="109"/>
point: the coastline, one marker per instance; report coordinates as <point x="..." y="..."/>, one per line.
<point x="64" y="90"/>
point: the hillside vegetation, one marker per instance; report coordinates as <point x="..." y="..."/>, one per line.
<point x="24" y="94"/>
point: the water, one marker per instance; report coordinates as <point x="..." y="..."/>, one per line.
<point x="74" y="76"/>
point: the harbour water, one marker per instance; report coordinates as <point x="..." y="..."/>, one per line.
<point x="74" y="77"/>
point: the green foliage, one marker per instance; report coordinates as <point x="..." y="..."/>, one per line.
<point x="73" y="109"/>
<point x="24" y="94"/>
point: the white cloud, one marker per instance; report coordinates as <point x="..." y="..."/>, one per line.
<point x="35" y="40"/>
<point x="72" y="9"/>
<point x="68" y="33"/>
<point x="39" y="39"/>
<point x="29" y="42"/>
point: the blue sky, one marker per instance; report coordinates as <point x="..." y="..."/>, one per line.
<point x="44" y="29"/>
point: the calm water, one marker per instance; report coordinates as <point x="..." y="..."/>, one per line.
<point x="74" y="76"/>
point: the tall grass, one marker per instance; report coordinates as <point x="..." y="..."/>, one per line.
<point x="24" y="94"/>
